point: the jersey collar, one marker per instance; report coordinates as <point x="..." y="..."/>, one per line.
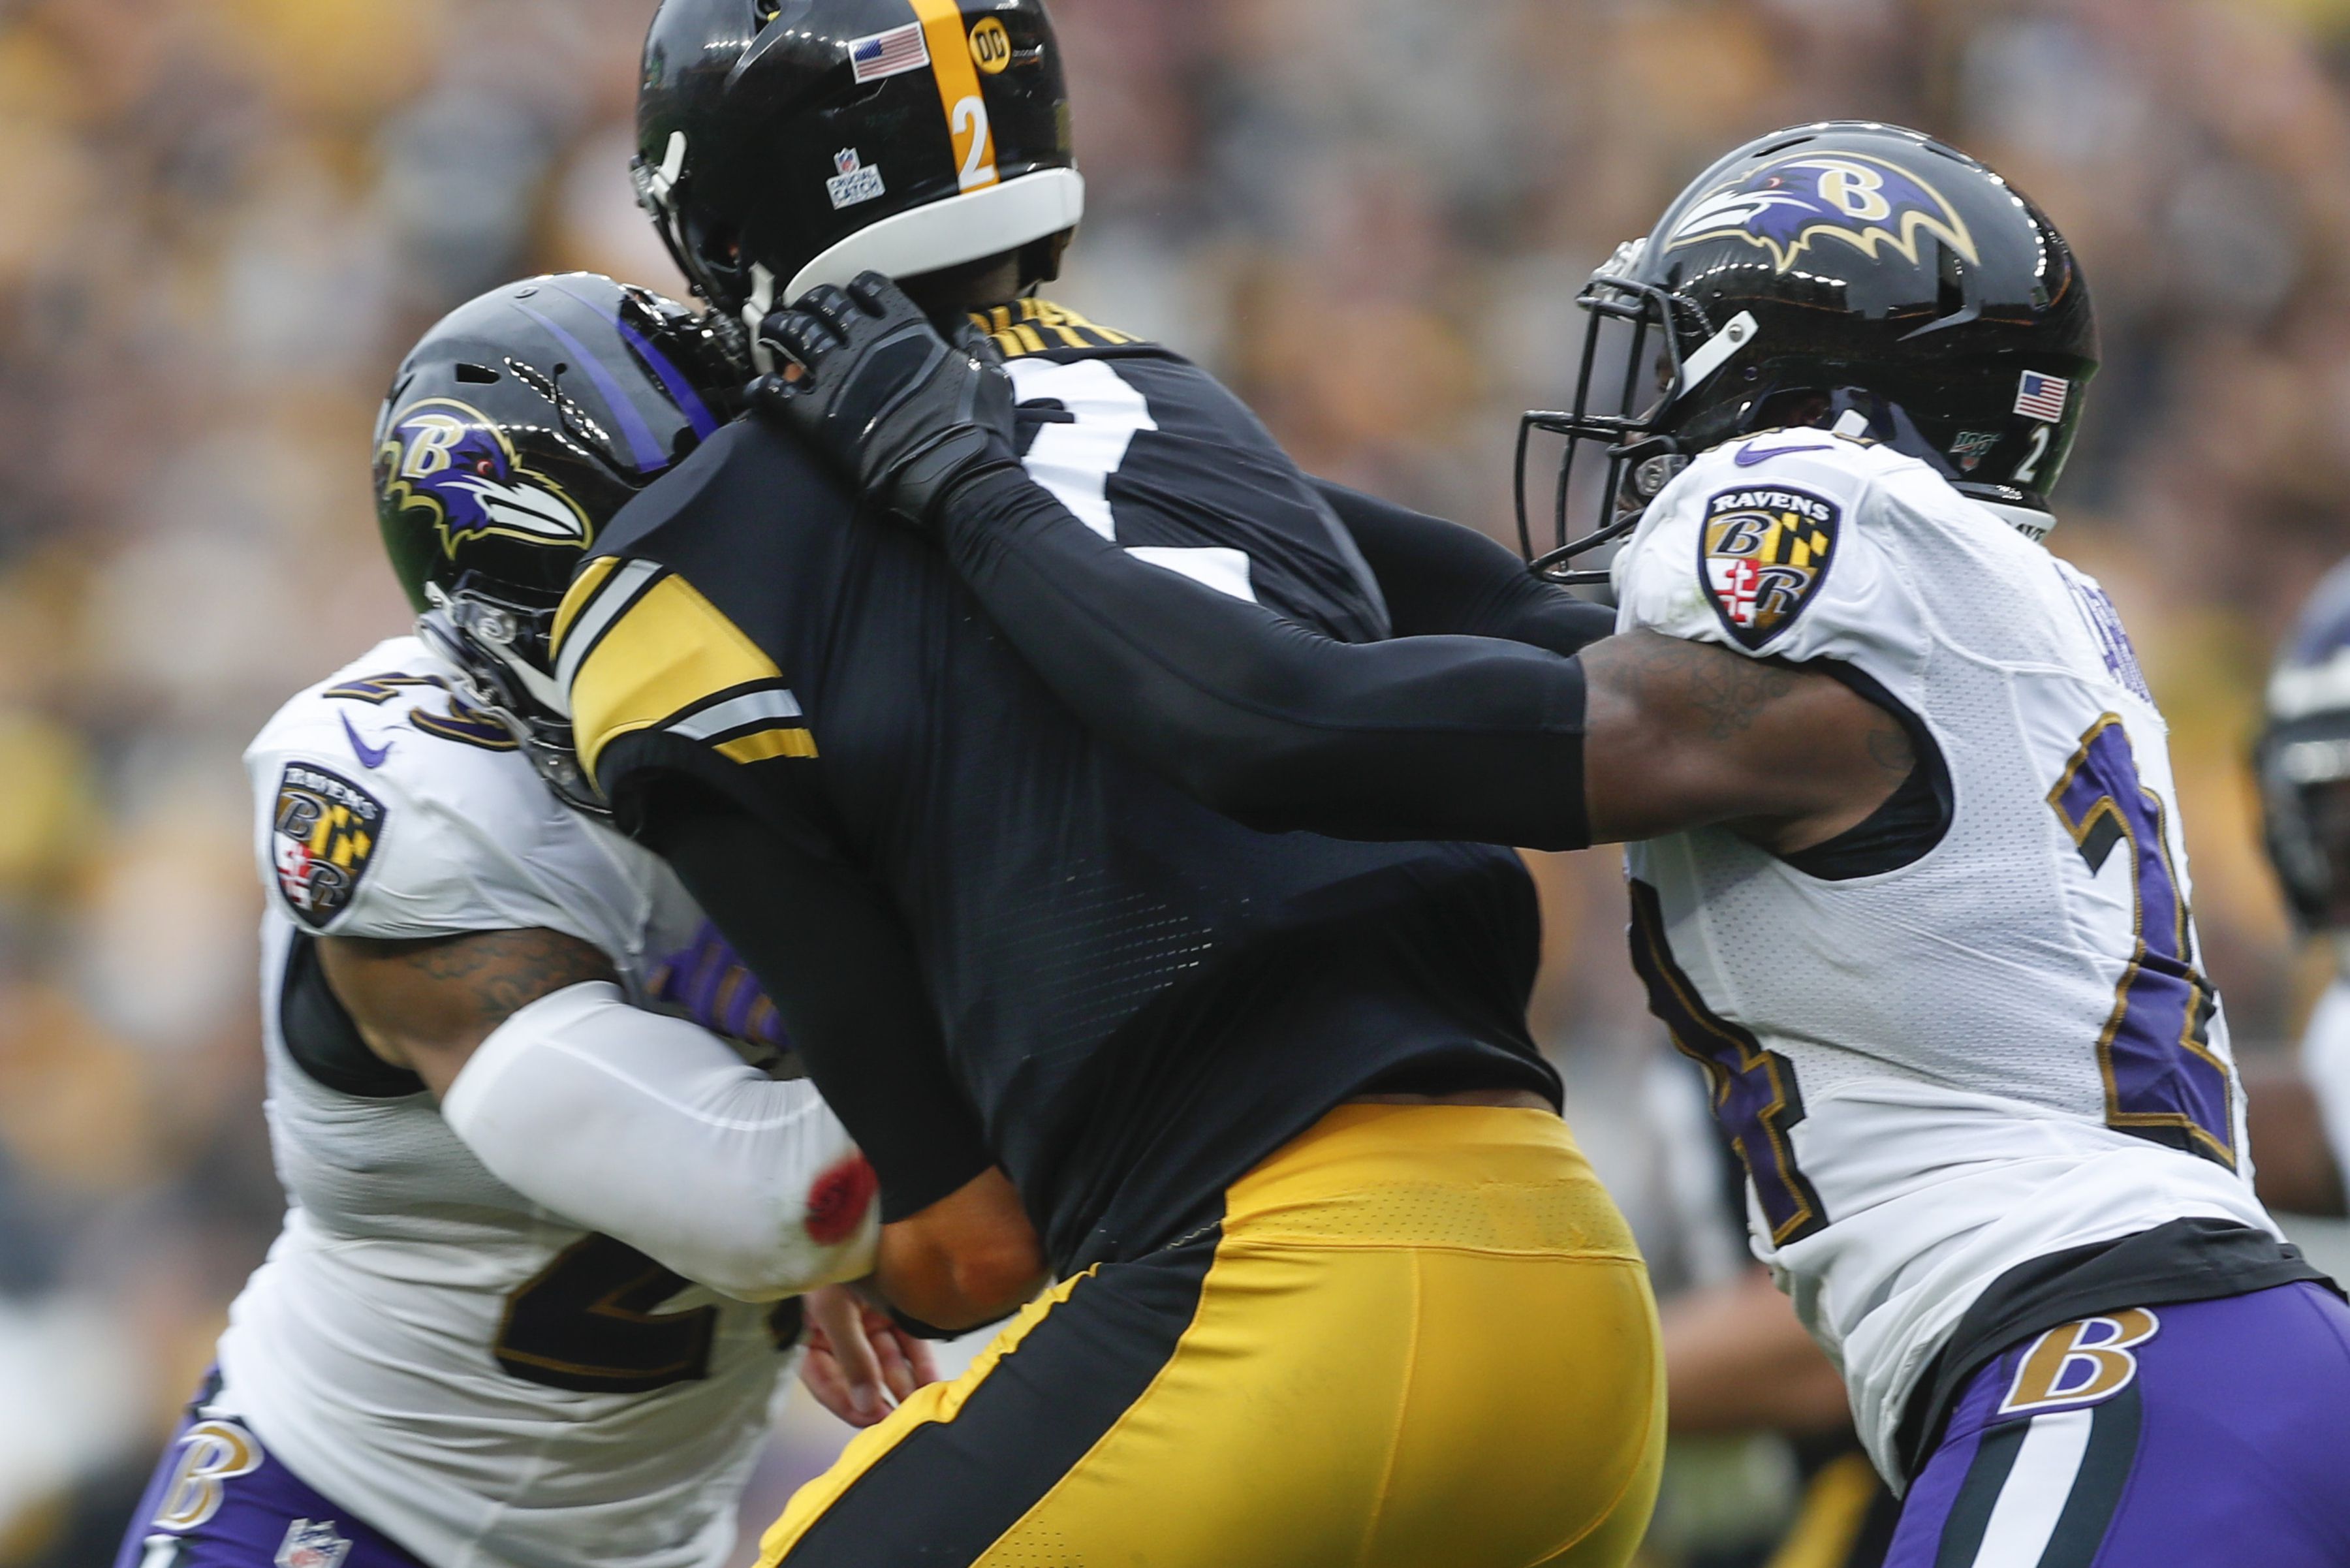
<point x="2029" y="521"/>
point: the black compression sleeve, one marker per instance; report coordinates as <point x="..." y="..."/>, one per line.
<point x="1275" y="724"/>
<point x="830" y="952"/>
<point x="1441" y="578"/>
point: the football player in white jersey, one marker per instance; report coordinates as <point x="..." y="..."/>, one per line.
<point x="1907" y="866"/>
<point x="549" y="1213"/>
<point x="2301" y="1118"/>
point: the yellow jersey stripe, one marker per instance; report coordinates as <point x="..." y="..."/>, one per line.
<point x="1019" y="328"/>
<point x="583" y="587"/>
<point x="958" y="79"/>
<point x="594" y="607"/>
<point x="767" y="743"/>
<point x="669" y="650"/>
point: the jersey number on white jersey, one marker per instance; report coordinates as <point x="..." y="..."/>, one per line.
<point x="1754" y="1095"/>
<point x="587" y="1322"/>
<point x="2162" y="1080"/>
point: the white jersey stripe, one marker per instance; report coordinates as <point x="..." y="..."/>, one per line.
<point x="2033" y="1500"/>
<point x="751" y="707"/>
<point x="618" y="595"/>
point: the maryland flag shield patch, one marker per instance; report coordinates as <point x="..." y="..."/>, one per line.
<point x="1764" y="553"/>
<point x="322" y="838"/>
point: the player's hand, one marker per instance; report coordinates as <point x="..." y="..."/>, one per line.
<point x="907" y="414"/>
<point x="859" y="1363"/>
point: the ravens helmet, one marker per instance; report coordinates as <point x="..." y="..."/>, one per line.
<point x="1844" y="273"/>
<point x="514" y="432"/>
<point x="2303" y="759"/>
<point x="788" y="143"/>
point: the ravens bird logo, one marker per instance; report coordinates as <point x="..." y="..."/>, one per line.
<point x="454" y="462"/>
<point x="1785" y="207"/>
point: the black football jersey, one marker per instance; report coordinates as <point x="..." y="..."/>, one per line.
<point x="1141" y="998"/>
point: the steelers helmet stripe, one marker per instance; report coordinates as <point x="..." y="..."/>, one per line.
<point x="957" y="77"/>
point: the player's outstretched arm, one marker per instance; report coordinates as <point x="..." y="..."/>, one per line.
<point x="1272" y="723"/>
<point x="958" y="1249"/>
<point x="1421" y="737"/>
<point x="1441" y="579"/>
<point x="641" y="1126"/>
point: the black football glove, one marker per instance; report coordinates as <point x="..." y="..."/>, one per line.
<point x="907" y="414"/>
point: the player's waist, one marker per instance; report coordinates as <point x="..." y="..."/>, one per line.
<point x="1474" y="1178"/>
<point x="413" y="1424"/>
<point x="1142" y="1149"/>
<point x="1929" y="1198"/>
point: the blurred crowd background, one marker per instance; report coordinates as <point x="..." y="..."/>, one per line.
<point x="223" y="221"/>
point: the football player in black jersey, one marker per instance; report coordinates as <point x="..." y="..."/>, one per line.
<point x="1335" y="1285"/>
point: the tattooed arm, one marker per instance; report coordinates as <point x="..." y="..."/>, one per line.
<point x="636" y="1125"/>
<point x="1420" y="737"/>
<point x="428" y="1005"/>
<point x="1684" y="734"/>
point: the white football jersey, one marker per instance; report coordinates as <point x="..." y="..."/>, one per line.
<point x="2003" y="1049"/>
<point x="424" y="1345"/>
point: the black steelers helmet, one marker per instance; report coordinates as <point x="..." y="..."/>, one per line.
<point x="1848" y="272"/>
<point x="788" y="143"/>
<point x="514" y="432"/>
<point x="2303" y="759"/>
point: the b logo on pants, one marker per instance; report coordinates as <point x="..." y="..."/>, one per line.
<point x="2079" y="1362"/>
<point x="212" y="1452"/>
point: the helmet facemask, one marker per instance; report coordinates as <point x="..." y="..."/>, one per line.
<point x="502" y="652"/>
<point x="1640" y="340"/>
<point x="1849" y="276"/>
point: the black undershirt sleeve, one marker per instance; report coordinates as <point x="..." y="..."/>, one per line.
<point x="1267" y="721"/>
<point x="1441" y="578"/>
<point x="831" y="953"/>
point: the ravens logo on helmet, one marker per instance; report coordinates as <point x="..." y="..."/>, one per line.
<point x="1844" y="272"/>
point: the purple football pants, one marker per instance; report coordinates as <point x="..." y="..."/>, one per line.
<point x="2210" y="1434"/>
<point x="220" y="1500"/>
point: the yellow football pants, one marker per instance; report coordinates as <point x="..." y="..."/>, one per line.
<point x="1421" y="1337"/>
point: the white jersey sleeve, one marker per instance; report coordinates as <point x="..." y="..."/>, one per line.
<point x="1771" y="548"/>
<point x="651" y="1130"/>
<point x="385" y="810"/>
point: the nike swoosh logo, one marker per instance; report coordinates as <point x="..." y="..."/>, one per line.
<point x="370" y="757"/>
<point x="1750" y="456"/>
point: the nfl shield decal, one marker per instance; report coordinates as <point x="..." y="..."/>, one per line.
<point x="323" y="837"/>
<point x="313" y="1543"/>
<point x="1763" y="553"/>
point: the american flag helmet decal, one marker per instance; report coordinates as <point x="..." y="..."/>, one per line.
<point x="2043" y="397"/>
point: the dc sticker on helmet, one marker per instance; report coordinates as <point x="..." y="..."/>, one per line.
<point x="991" y="46"/>
<point x="452" y="461"/>
<point x="1785" y="206"/>
<point x="1763" y="554"/>
<point x="323" y="837"/>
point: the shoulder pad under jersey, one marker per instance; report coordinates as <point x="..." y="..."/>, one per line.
<point x="384" y="808"/>
<point x="1774" y="545"/>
